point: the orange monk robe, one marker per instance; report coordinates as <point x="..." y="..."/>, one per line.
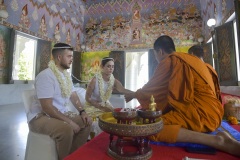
<point x="187" y="91"/>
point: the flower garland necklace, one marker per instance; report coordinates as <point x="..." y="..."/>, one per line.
<point x="105" y="96"/>
<point x="66" y="87"/>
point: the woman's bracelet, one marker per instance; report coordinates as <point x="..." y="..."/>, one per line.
<point x="80" y="112"/>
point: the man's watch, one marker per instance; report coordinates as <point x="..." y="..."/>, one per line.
<point x="80" y="112"/>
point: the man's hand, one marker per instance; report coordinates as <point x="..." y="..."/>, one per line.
<point x="129" y="96"/>
<point x="86" y="119"/>
<point x="75" y="127"/>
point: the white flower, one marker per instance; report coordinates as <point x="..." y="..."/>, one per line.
<point x="66" y="87"/>
<point x="105" y="96"/>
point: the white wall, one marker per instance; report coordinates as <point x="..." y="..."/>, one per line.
<point x="12" y="93"/>
<point x="118" y="101"/>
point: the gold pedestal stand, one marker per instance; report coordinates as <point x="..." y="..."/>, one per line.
<point x="131" y="142"/>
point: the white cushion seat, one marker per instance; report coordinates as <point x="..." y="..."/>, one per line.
<point x="39" y="146"/>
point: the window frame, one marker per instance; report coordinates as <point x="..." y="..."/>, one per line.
<point x="18" y="33"/>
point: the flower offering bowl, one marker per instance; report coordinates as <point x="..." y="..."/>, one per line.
<point x="124" y="116"/>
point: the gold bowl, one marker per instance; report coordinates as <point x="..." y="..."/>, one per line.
<point x="137" y="129"/>
<point x="149" y="114"/>
<point x="124" y="115"/>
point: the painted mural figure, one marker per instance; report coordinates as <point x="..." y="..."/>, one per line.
<point x="2" y="50"/>
<point x="2" y="6"/>
<point x="57" y="33"/>
<point x="224" y="7"/>
<point x="24" y="20"/>
<point x="136" y="34"/>
<point x="136" y="15"/>
<point x="68" y="39"/>
<point x="2" y="56"/>
<point x="43" y="27"/>
<point x="136" y="26"/>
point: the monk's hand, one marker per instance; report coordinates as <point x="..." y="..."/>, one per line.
<point x="129" y="96"/>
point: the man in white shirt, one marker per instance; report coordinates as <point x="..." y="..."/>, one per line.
<point x="49" y="113"/>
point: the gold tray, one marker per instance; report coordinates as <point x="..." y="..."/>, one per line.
<point x="137" y="129"/>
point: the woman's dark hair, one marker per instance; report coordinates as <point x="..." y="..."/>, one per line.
<point x="58" y="47"/>
<point x="105" y="60"/>
<point x="196" y="50"/>
<point x="165" y="43"/>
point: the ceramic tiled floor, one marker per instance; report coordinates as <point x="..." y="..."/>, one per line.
<point x="13" y="132"/>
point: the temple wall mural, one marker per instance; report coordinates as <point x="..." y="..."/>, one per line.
<point x="49" y="20"/>
<point x="218" y="9"/>
<point x="115" y="24"/>
<point x="128" y="24"/>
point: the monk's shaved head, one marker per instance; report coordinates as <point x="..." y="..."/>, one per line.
<point x="196" y="50"/>
<point x="164" y="43"/>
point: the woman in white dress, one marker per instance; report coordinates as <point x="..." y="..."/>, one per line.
<point x="100" y="90"/>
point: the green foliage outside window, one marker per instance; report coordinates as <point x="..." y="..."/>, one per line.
<point x="25" y="65"/>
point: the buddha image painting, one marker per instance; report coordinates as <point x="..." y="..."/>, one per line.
<point x="136" y="34"/>
<point x="24" y="20"/>
<point x="57" y="32"/>
<point x="4" y="13"/>
<point x="2" y="7"/>
<point x="43" y="27"/>
<point x="136" y="15"/>
<point x="68" y="39"/>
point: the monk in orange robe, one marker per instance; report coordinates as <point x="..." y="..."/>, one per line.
<point x="198" y="51"/>
<point x="188" y="93"/>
